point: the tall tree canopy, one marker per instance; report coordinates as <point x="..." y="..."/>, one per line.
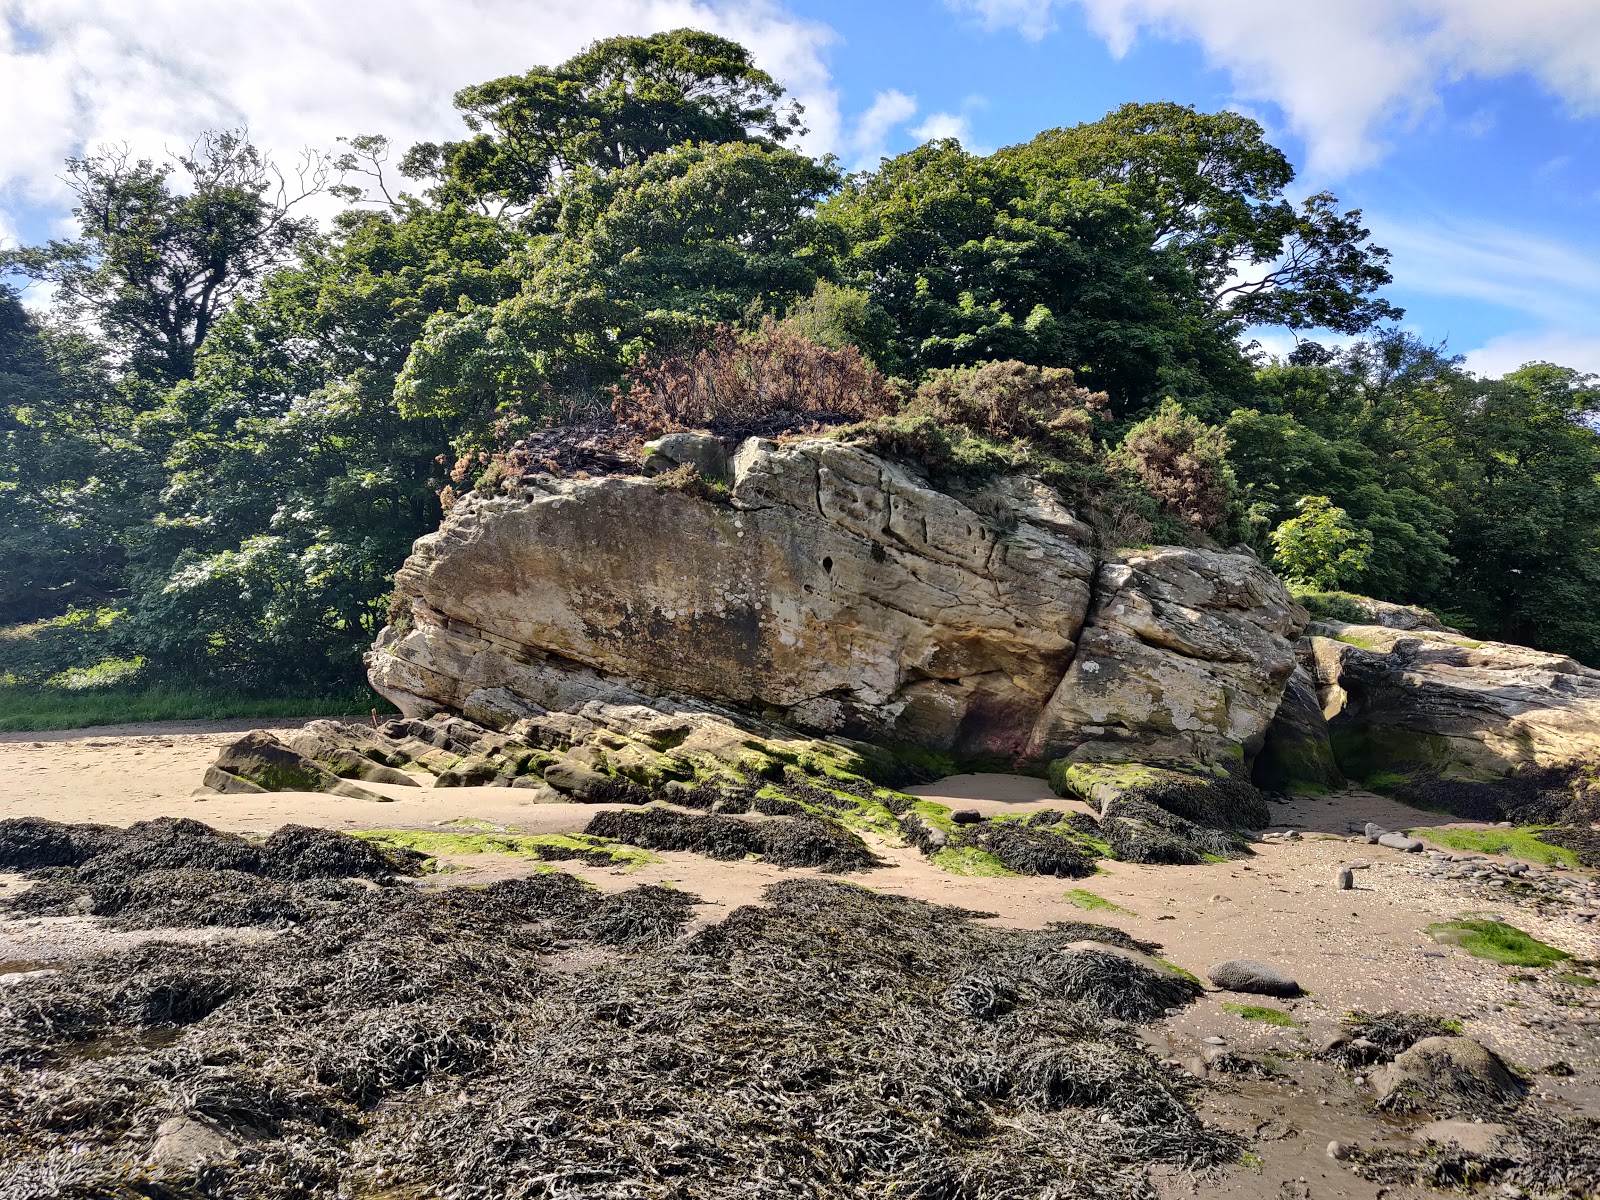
<point x="613" y="106"/>
<point x="1210" y="187"/>
<point x="154" y="264"/>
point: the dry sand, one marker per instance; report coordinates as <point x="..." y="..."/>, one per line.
<point x="1357" y="949"/>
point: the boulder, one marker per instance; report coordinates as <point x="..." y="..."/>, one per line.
<point x="350" y="751"/>
<point x="185" y="1142"/>
<point x="834" y="590"/>
<point x="259" y="762"/>
<point x="703" y="451"/>
<point x="1399" y="841"/>
<point x="1255" y="978"/>
<point x="1448" y="1074"/>
<point x="843" y="594"/>
<point x="1186" y="653"/>
<point x="1440" y="704"/>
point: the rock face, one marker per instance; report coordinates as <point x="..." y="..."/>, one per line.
<point x="839" y="593"/>
<point x="1189" y="649"/>
<point x="1439" y="701"/>
<point x="1298" y="753"/>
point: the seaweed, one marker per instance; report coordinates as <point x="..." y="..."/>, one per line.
<point x="828" y="1042"/>
<point x="800" y="841"/>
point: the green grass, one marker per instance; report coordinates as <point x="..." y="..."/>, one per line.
<point x="1521" y="842"/>
<point x="434" y="843"/>
<point x="32" y="709"/>
<point x="1092" y="903"/>
<point x="1261" y="1012"/>
<point x="968" y="860"/>
<point x="1498" y="942"/>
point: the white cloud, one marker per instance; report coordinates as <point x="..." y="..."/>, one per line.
<point x="944" y="125"/>
<point x="1510" y="351"/>
<point x="1342" y="70"/>
<point x="155" y="73"/>
<point x="868" y="141"/>
<point x="1554" y="281"/>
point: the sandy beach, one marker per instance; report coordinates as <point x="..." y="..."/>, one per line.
<point x="1359" y="949"/>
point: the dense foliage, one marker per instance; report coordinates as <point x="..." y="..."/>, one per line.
<point x="224" y="434"/>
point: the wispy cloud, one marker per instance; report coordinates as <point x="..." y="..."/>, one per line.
<point x="868" y="141"/>
<point x="1540" y="277"/>
<point x="1342" y="70"/>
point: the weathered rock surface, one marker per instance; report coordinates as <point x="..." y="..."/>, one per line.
<point x="1444" y="702"/>
<point x="1185" y="654"/>
<point x="1449" y="1075"/>
<point x="1297" y="755"/>
<point x="841" y="594"/>
<point x="259" y="762"/>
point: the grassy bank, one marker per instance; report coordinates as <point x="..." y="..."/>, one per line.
<point x="28" y="709"/>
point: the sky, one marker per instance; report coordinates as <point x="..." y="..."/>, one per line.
<point x="1468" y="131"/>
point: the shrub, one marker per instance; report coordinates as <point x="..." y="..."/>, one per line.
<point x="1322" y="547"/>
<point x="738" y="384"/>
<point x="1183" y="463"/>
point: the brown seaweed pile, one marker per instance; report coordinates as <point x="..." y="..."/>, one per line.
<point x="537" y="1039"/>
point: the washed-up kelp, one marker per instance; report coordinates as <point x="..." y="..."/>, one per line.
<point x="172" y="871"/>
<point x="831" y="1042"/>
<point x="798" y="841"/>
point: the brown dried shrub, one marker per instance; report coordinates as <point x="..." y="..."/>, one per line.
<point x="1183" y="463"/>
<point x="771" y="381"/>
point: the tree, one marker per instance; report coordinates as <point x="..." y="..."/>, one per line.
<point x="155" y="264"/>
<point x="1210" y="187"/>
<point x="976" y="259"/>
<point x="613" y="106"/>
<point x="71" y="477"/>
<point x="1527" y="503"/>
<point x="1321" y="548"/>
<point x="649" y="257"/>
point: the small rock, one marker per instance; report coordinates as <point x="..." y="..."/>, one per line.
<point x="184" y="1141"/>
<point x="1360" y="864"/>
<point x="1374" y="832"/>
<point x="1214" y="1040"/>
<point x="1255" y="978"/>
<point x="1339" y="1151"/>
<point x="1399" y="841"/>
<point x="966" y="816"/>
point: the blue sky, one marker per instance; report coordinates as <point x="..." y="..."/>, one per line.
<point x="1467" y="130"/>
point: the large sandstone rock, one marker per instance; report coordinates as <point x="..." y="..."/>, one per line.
<point x="842" y="594"/>
<point x="1441" y="703"/>
<point x="1185" y="654"/>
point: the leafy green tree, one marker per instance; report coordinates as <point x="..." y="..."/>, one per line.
<point x="1322" y="548"/>
<point x="649" y="256"/>
<point x="71" y="476"/>
<point x="1210" y="187"/>
<point x="977" y="259"/>
<point x="155" y="263"/>
<point x="1279" y="458"/>
<point x="1527" y="500"/>
<point x="295" y="486"/>
<point x="613" y="106"/>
